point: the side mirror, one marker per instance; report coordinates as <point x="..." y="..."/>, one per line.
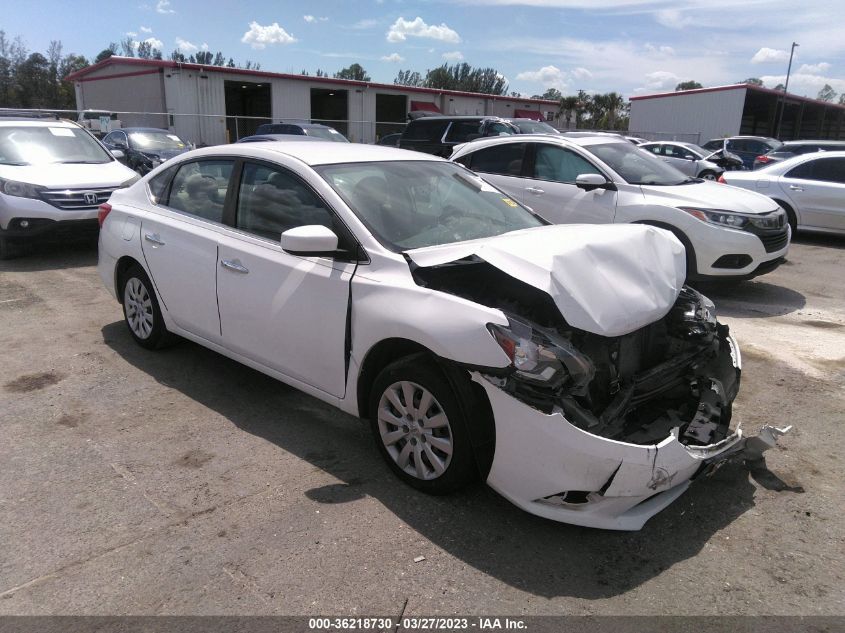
<point x="313" y="240"/>
<point x="118" y="154"/>
<point x="588" y="182"/>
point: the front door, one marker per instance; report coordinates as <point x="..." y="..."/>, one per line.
<point x="283" y="311"/>
<point x="179" y="242"/>
<point x="552" y="193"/>
<point x="500" y="165"/>
<point x="818" y="189"/>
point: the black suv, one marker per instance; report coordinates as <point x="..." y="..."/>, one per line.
<point x="302" y="129"/>
<point x="439" y="135"/>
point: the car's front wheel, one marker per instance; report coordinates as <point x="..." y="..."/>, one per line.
<point x="419" y="427"/>
<point x="708" y="175"/>
<point x="141" y="311"/>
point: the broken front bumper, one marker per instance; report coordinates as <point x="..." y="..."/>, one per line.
<point x="551" y="468"/>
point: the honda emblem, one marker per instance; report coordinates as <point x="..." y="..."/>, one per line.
<point x="90" y="197"/>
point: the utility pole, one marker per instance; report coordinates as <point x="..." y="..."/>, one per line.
<point x="785" y="88"/>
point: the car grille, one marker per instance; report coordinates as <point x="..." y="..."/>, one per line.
<point x="774" y="241"/>
<point x="77" y="199"/>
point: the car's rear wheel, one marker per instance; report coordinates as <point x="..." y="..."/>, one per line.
<point x="419" y="427"/>
<point x="141" y="311"/>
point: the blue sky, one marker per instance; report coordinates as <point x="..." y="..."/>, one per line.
<point x="630" y="46"/>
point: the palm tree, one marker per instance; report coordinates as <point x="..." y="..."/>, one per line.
<point x="614" y="103"/>
<point x="568" y="106"/>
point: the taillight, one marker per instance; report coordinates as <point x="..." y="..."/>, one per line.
<point x="722" y="180"/>
<point x="763" y="159"/>
<point x="102" y="212"/>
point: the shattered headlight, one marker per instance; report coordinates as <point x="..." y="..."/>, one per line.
<point x="542" y="356"/>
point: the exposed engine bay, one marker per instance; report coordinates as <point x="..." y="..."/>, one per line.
<point x="676" y="373"/>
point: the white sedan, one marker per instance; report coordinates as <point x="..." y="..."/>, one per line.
<point x="810" y="187"/>
<point x="566" y="366"/>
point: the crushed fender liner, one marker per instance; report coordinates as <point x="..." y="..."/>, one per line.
<point x="604" y="279"/>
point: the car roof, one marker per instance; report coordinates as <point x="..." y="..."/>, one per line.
<point x="37" y="122"/>
<point x="282" y="137"/>
<point x="456" y="117"/>
<point x="143" y="129"/>
<point x="319" y="153"/>
<point x="580" y="140"/>
<point x="814" y="142"/>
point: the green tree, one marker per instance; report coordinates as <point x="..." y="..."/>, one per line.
<point x="842" y="99"/>
<point x="552" y="94"/>
<point x="34" y="82"/>
<point x="107" y="52"/>
<point x="464" y="77"/>
<point x="688" y="85"/>
<point x="355" y="71"/>
<point x="754" y="81"/>
<point x="67" y="94"/>
<point x="568" y="107"/>
<point x="127" y="47"/>
<point x="408" y="78"/>
<point x="204" y="57"/>
<point x="219" y="59"/>
<point x="826" y="94"/>
<point x="780" y="87"/>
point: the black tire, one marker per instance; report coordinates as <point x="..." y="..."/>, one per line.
<point x="708" y="175"/>
<point x="460" y="469"/>
<point x="790" y="216"/>
<point x="156" y="336"/>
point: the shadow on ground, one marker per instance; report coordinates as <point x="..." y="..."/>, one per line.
<point x="819" y="239"/>
<point x="752" y="299"/>
<point x="54" y="254"/>
<point x="476" y="526"/>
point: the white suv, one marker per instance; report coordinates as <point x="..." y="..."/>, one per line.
<point x="567" y="366"/>
<point x="727" y="233"/>
<point x="53" y="174"/>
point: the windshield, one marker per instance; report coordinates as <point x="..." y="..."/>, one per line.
<point x="637" y="166"/>
<point x="535" y="127"/>
<point x="42" y="145"/>
<point x="412" y="204"/>
<point x="328" y="133"/>
<point x="699" y="150"/>
<point x="154" y="140"/>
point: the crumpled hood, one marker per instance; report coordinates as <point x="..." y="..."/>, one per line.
<point x="57" y="176"/>
<point x="605" y="279"/>
<point x="709" y="195"/>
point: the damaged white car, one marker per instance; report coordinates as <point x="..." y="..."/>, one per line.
<point x="566" y="366"/>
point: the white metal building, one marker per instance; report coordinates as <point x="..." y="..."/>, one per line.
<point x="212" y="104"/>
<point x="735" y="109"/>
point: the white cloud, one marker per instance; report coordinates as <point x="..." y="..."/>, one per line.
<point x="660" y="80"/>
<point x="548" y="76"/>
<point x="453" y="56"/>
<point x="311" y="18"/>
<point x="581" y="73"/>
<point x="366" y="23"/>
<point x="146" y="29"/>
<point x="769" y="55"/>
<point x="659" y="50"/>
<point x="672" y="18"/>
<point x="259" y="36"/>
<point x="814" y="69"/>
<point x="185" y="46"/>
<point x="163" y="6"/>
<point x="132" y="34"/>
<point x="154" y="42"/>
<point x="403" y="29"/>
<point x="393" y="57"/>
<point x="805" y="84"/>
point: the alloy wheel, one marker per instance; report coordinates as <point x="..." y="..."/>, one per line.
<point x="139" y="308"/>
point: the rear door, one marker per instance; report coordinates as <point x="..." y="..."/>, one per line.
<point x="680" y="158"/>
<point x="179" y="241"/>
<point x="817" y="187"/>
<point x="284" y="311"/>
<point x="551" y="192"/>
<point x="502" y="165"/>
<point x="425" y="135"/>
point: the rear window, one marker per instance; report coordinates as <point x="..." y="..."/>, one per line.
<point x="505" y="160"/>
<point x="461" y="131"/>
<point x="422" y="130"/>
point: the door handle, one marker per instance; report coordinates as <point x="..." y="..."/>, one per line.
<point x="795" y="188"/>
<point x="535" y="190"/>
<point x="153" y="238"/>
<point x="234" y="264"/>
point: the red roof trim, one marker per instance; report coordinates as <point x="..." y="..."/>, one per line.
<point x="152" y="71"/>
<point x="162" y="63"/>
<point x="751" y="87"/>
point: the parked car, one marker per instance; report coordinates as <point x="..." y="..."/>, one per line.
<point x="145" y="148"/>
<point x="99" y="122"/>
<point x="797" y="148"/>
<point x="746" y="147"/>
<point x="53" y="175"/>
<point x="810" y="187"/>
<point x="532" y="126"/>
<point x="263" y="138"/>
<point x="438" y="135"/>
<point x="636" y="140"/>
<point x="728" y="234"/>
<point x="694" y="160"/>
<point x="304" y="129"/>
<point x="391" y="140"/>
<point x="567" y="366"/>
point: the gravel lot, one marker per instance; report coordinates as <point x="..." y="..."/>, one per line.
<point x="180" y="482"/>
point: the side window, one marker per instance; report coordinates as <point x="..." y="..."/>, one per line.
<point x="422" y="130"/>
<point x="655" y="149"/>
<point x="559" y="164"/>
<point x="757" y="147"/>
<point x="503" y="159"/>
<point x="273" y="200"/>
<point x="498" y="129"/>
<point x="158" y="184"/>
<point x="460" y="130"/>
<point x="829" y="170"/>
<point x="200" y="187"/>
<point x="803" y="171"/>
